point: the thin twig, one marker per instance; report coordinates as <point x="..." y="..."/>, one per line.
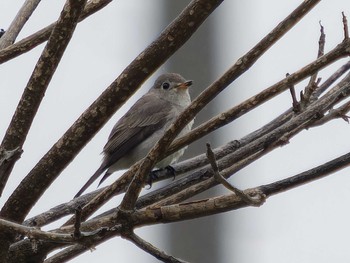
<point x="33" y="232"/>
<point x="77" y="223"/>
<point x="334" y="114"/>
<point x="308" y="95"/>
<point x="336" y="75"/>
<point x="246" y="198"/>
<point x="295" y="103"/>
<point x="149" y="248"/>
<point x="345" y="26"/>
<point x="17" y="24"/>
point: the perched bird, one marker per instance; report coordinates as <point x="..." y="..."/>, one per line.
<point x="133" y="136"/>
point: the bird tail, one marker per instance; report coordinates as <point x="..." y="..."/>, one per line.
<point x="106" y="175"/>
<point x="91" y="180"/>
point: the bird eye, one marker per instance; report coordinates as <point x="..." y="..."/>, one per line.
<point x="165" y="85"/>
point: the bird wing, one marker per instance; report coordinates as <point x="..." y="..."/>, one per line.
<point x="132" y="129"/>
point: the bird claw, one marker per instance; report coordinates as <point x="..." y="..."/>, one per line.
<point x="153" y="176"/>
<point x="171" y="170"/>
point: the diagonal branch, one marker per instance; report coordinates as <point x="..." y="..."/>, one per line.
<point x="17" y="24"/>
<point x="42" y="35"/>
<point x="149" y="248"/>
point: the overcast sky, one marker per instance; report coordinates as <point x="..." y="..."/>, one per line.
<point x="308" y="224"/>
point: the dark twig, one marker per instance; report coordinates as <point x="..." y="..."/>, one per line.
<point x="7" y="158"/>
<point x="336" y="75"/>
<point x="149" y="248"/>
<point x="333" y="114"/>
<point x="77" y="223"/>
<point x="345" y="26"/>
<point x="246" y="198"/>
<point x="309" y="95"/>
<point x="295" y="102"/>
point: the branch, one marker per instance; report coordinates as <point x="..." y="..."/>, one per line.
<point x="149" y="248"/>
<point x="33" y="232"/>
<point x="17" y="24"/>
<point x="42" y="35"/>
<point x="246" y="198"/>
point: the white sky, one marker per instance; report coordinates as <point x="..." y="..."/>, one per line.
<point x="308" y="224"/>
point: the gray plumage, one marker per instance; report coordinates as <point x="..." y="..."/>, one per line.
<point x="133" y="136"/>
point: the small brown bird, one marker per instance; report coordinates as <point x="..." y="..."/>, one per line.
<point x="143" y="125"/>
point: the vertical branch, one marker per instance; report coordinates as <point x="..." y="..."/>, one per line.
<point x="17" y="24"/>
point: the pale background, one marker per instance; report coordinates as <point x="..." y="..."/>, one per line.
<point x="308" y="224"/>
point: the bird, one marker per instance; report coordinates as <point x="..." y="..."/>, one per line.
<point x="134" y="135"/>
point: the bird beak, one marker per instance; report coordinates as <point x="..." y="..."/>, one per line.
<point x="185" y="84"/>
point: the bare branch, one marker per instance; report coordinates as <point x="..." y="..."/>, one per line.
<point x="308" y="95"/>
<point x="17" y="24"/>
<point x="149" y="248"/>
<point x="42" y="35"/>
<point x="33" y="232"/>
<point x="77" y="223"/>
<point x="345" y="27"/>
<point x="246" y="198"/>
